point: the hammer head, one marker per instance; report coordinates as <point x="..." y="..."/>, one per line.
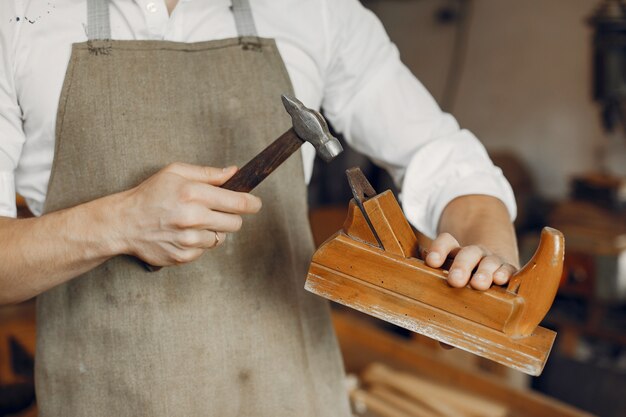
<point x="311" y="127"/>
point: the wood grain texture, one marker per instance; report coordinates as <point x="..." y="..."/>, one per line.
<point x="413" y="279"/>
<point x="266" y="162"/>
<point x="537" y="282"/>
<point x="527" y="354"/>
<point x="356" y="227"/>
<point x="414" y="408"/>
<point x="368" y="402"/>
<point x="362" y="343"/>
<point x="435" y="405"/>
<point x="391" y="284"/>
<point x="391" y="226"/>
<point x="443" y="399"/>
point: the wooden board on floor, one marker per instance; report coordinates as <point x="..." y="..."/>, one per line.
<point x="362" y="343"/>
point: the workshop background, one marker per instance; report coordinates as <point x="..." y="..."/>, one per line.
<point x="543" y="84"/>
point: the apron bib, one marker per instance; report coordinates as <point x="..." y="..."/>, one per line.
<point x="232" y="334"/>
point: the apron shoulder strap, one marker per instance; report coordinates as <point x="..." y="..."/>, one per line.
<point x="243" y="18"/>
<point x="99" y="26"/>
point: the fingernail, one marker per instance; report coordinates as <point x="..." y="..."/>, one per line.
<point x="455" y="274"/>
<point x="479" y="276"/>
<point x="499" y="275"/>
<point x="433" y="257"/>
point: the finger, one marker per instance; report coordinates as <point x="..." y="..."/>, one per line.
<point x="483" y="277"/>
<point x="219" y="199"/>
<point x="184" y="256"/>
<point x="504" y="274"/>
<point x="193" y="216"/>
<point x="212" y="239"/>
<point x="224" y="222"/>
<point x="439" y="250"/>
<point x="203" y="174"/>
<point x="199" y="239"/>
<point x="227" y="173"/>
<point x="464" y="263"/>
<point x="200" y="218"/>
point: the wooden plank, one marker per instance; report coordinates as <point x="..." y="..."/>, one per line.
<point x="413" y="279"/>
<point x="414" y="409"/>
<point x="446" y="400"/>
<point x="391" y="226"/>
<point x="363" y="343"/>
<point x="525" y="354"/>
<point x="364" y="401"/>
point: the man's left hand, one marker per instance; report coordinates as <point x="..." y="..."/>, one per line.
<point x="476" y="232"/>
<point x="472" y="264"/>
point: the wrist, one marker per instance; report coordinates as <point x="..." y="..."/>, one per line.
<point x="483" y="221"/>
<point x="104" y="222"/>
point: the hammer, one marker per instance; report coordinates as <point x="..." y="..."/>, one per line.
<point x="308" y="126"/>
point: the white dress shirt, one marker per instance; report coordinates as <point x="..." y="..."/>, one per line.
<point x="338" y="57"/>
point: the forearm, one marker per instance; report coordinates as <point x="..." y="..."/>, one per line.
<point x="40" y="253"/>
<point x="171" y="218"/>
<point x="483" y="221"/>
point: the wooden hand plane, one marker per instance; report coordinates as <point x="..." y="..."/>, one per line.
<point x="371" y="265"/>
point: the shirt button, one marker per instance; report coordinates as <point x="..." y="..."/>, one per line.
<point x="151" y="7"/>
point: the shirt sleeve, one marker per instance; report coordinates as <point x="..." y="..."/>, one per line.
<point x="11" y="132"/>
<point x="384" y="112"/>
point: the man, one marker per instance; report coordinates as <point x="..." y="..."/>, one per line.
<point x="139" y="128"/>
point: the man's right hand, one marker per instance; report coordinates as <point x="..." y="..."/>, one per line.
<point x="174" y="216"/>
<point x="169" y="219"/>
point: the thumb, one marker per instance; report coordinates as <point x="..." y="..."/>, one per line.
<point x="208" y="175"/>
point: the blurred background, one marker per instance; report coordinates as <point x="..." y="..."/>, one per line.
<point x="543" y="84"/>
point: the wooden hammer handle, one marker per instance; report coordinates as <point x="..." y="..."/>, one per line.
<point x="262" y="165"/>
<point x="259" y="167"/>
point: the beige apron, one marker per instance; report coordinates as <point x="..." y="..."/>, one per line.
<point x="232" y="334"/>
